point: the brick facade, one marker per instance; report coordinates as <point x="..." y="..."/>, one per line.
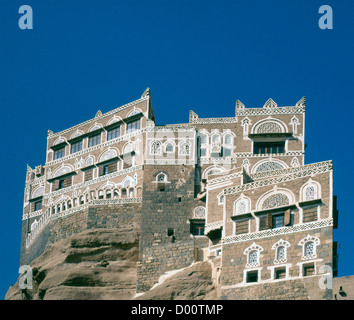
<point x="232" y="190"/>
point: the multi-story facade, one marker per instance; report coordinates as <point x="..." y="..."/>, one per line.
<point x="235" y="191"/>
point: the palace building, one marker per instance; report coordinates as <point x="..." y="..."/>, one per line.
<point x="234" y="191"/>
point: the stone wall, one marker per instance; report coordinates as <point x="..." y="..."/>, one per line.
<point x="98" y="216"/>
<point x="234" y="282"/>
<point x="347" y="285"/>
<point x="166" y="242"/>
<point x="156" y="260"/>
<point x="299" y="289"/>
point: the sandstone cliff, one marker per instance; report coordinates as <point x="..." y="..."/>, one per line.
<point x="100" y="264"/>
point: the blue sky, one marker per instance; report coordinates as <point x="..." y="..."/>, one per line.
<point x="83" y="56"/>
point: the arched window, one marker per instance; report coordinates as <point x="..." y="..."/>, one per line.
<point x="221" y="199"/>
<point x="311" y="190"/>
<point x="155" y="147"/>
<point x="228" y="145"/>
<point x="241" y="206"/>
<point x="309" y="245"/>
<point x="184" y="148"/>
<point x="269" y="127"/>
<point x="203" y="144"/>
<point x="309" y="249"/>
<point x="34" y="225"/>
<point x="161" y="178"/>
<point x="310" y="193"/>
<point x="245" y="123"/>
<point x="280" y="248"/>
<point x="215" y="144"/>
<point x="134" y="112"/>
<point x="199" y="213"/>
<point x="281" y="253"/>
<point x="253" y="255"/>
<point x="169" y="147"/>
<point x="275" y="200"/>
<point x="131" y="193"/>
<point x="128" y="148"/>
<point x="268" y="166"/>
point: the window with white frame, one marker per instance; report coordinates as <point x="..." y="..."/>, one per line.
<point x="245" y="124"/>
<point x="221" y="199"/>
<point x="253" y="255"/>
<point x="275" y="200"/>
<point x="309" y="245"/>
<point x="133" y="126"/>
<point x="155" y="147"/>
<point x="215" y="144"/>
<point x="204" y="145"/>
<point x="269" y="127"/>
<point x="268" y="166"/>
<point x="34" y="225"/>
<point x="184" y="148"/>
<point x="169" y="147"/>
<point x="310" y="193"/>
<point x="280" y="248"/>
<point x="161" y="177"/>
<point x="241" y="206"/>
<point x="295" y="123"/>
<point x="228" y="145"/>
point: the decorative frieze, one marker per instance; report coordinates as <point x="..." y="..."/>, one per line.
<point x="93" y="181"/>
<point x="98" y="117"/>
<point x="278" y="231"/>
<point x="270" y="111"/>
<point x="96" y="147"/>
<point x="297" y="172"/>
<point x="212" y="120"/>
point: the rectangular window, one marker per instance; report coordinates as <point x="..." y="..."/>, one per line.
<point x="242" y="227"/>
<point x="252" y="276"/>
<point x="88" y="175"/>
<point x="38" y="205"/>
<point x="133" y="126"/>
<point x="280" y="273"/>
<point x="113" y="133"/>
<point x="94" y="140"/>
<point x="269" y="147"/>
<point x="278" y="221"/>
<point x="170" y="232"/>
<point x="309" y="270"/>
<point x="226" y="152"/>
<point x="309" y="215"/>
<point x="108" y="168"/>
<point x="271" y="221"/>
<point x="198" y="229"/>
<point x="61" y="184"/>
<point x="77" y="146"/>
<point x="59" y="153"/>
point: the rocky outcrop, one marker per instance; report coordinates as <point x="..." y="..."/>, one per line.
<point x="192" y="283"/>
<point x="100" y="264"/>
<point x="97" y="264"/>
